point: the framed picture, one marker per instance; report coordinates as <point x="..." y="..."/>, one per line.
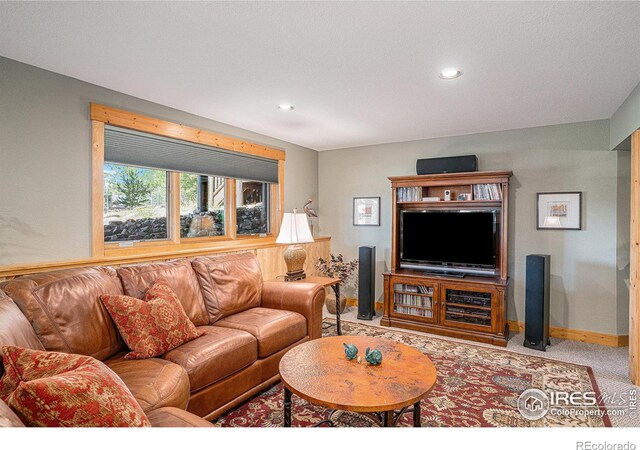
<point x="559" y="211"/>
<point x="366" y="211"/>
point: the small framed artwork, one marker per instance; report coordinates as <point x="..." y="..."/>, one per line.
<point x="559" y="211"/>
<point x="366" y="211"/>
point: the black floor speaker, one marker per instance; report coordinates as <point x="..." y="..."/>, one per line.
<point x="366" y="283"/>
<point x="536" y="311"/>
<point x="449" y="164"/>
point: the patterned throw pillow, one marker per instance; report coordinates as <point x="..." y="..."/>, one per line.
<point x="49" y="389"/>
<point x="151" y="326"/>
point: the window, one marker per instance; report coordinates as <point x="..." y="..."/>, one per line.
<point x="252" y="208"/>
<point x="165" y="188"/>
<point x="135" y="204"/>
<point x="202" y="203"/>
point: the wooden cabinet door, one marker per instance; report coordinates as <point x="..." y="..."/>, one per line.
<point x="468" y="307"/>
<point x="413" y="299"/>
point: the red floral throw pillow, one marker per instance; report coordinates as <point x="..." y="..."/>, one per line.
<point x="49" y="389"/>
<point x="151" y="326"/>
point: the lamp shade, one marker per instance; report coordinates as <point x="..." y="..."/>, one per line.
<point x="294" y="229"/>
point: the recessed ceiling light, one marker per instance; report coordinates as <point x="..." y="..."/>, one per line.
<point x="285" y="107"/>
<point x="450" y="74"/>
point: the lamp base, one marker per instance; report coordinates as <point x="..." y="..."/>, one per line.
<point x="294" y="258"/>
<point x="295" y="276"/>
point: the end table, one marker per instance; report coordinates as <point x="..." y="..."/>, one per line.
<point x="326" y="282"/>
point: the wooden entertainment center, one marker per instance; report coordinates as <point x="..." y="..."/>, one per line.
<point x="472" y="307"/>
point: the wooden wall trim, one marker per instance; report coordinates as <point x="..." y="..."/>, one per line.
<point x="174" y="207"/>
<point x="230" y="208"/>
<point x="590" y="337"/>
<point x="15" y="270"/>
<point x="280" y="192"/>
<point x="378" y="306"/>
<point x="634" y="263"/>
<point x="126" y="119"/>
<point x="97" y="188"/>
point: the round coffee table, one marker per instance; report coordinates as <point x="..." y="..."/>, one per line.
<point x="319" y="372"/>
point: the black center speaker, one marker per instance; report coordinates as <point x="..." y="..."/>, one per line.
<point x="536" y="310"/>
<point x="448" y="164"/>
<point x="366" y="283"/>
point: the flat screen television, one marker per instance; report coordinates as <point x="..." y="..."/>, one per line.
<point x="449" y="241"/>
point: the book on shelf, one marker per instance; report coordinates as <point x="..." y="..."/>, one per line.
<point x="409" y="194"/>
<point x="406" y="287"/>
<point x="491" y="191"/>
<point x="413" y="311"/>
<point x="412" y="300"/>
<point x="414" y="288"/>
<point x="424" y="290"/>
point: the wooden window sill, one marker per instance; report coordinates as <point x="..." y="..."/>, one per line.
<point x="155" y="254"/>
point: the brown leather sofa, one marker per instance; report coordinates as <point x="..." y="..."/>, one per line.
<point x="249" y="324"/>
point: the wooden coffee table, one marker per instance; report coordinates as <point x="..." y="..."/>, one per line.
<point x="319" y="372"/>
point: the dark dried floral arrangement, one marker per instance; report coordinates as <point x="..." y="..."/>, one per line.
<point x="337" y="267"/>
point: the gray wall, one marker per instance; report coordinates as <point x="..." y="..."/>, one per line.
<point x="626" y="119"/>
<point x="571" y="157"/>
<point x="45" y="138"/>
<point x="45" y="148"/>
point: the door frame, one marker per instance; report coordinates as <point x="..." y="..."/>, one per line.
<point x="634" y="263"/>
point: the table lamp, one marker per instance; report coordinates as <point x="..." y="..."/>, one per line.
<point x="294" y="230"/>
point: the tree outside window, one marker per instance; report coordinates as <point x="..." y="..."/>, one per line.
<point x="135" y="203"/>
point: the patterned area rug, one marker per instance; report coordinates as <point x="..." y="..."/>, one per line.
<point x="477" y="387"/>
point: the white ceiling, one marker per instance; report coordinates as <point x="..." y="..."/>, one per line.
<point x="358" y="73"/>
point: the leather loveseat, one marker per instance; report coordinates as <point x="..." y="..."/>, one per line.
<point x="248" y="324"/>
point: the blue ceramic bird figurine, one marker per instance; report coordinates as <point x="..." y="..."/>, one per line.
<point x="350" y="350"/>
<point x="373" y="357"/>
